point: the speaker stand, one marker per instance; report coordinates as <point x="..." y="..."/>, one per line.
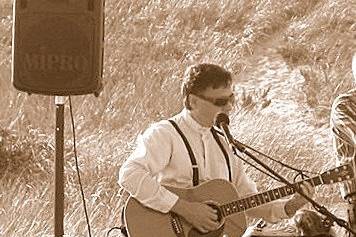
<point x="59" y="169"/>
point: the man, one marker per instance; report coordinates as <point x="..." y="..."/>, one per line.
<point x="343" y="126"/>
<point x="163" y="158"/>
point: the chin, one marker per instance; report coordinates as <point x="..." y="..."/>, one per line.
<point x="208" y="124"/>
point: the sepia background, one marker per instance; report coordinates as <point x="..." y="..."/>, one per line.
<point x="290" y="59"/>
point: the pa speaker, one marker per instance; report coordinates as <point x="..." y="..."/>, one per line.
<point x="57" y="46"/>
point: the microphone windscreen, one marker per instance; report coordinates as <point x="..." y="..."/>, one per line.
<point x="221" y="118"/>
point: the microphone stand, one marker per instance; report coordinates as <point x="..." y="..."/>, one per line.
<point x="59" y="168"/>
<point x="321" y="209"/>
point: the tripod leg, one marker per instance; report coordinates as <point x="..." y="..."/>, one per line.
<point x="351" y="212"/>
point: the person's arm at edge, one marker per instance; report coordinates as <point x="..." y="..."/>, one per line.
<point x="151" y="155"/>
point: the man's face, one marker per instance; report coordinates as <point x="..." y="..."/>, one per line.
<point x="207" y="104"/>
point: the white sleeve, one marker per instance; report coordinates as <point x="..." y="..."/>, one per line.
<point x="138" y="173"/>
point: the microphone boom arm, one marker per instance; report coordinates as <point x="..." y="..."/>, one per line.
<point x="323" y="210"/>
<point x="222" y="120"/>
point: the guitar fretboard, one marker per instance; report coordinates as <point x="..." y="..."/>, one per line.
<point x="265" y="197"/>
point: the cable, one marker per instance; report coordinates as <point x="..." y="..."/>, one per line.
<point x="300" y="171"/>
<point x="254" y="166"/>
<point x="77" y="166"/>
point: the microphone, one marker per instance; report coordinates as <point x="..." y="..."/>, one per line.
<point x="222" y="121"/>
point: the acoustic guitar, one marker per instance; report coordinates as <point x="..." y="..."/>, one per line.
<point x="142" y="221"/>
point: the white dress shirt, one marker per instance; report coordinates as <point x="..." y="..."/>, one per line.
<point x="161" y="158"/>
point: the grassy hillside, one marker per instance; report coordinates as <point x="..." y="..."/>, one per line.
<point x="290" y="59"/>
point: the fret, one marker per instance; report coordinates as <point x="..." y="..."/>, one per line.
<point x="248" y="203"/>
<point x="261" y="196"/>
<point x="257" y="200"/>
<point x="283" y="191"/>
<point x="252" y="201"/>
<point x="227" y="209"/>
<point x="267" y="197"/>
<point x="231" y="208"/>
<point x="290" y="190"/>
<point x="271" y="195"/>
<point x="245" y="203"/>
<point x="277" y="194"/>
<point x="241" y="205"/>
<point x="235" y="207"/>
<point x="223" y="210"/>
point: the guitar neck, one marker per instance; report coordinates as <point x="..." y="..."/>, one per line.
<point x="265" y="197"/>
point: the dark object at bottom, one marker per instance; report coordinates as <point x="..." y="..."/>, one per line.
<point x="311" y="223"/>
<point x="351" y="212"/>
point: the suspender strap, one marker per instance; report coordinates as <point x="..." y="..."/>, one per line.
<point x="217" y="139"/>
<point x="191" y="154"/>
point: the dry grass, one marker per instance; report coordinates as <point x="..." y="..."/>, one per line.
<point x="290" y="59"/>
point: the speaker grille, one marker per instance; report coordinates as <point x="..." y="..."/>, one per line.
<point x="57" y="53"/>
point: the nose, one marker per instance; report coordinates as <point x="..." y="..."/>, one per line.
<point x="232" y="103"/>
<point x="228" y="108"/>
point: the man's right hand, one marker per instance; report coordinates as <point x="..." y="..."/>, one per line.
<point x="200" y="215"/>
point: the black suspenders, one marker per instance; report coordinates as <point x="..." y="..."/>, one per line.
<point x="217" y="139"/>
<point x="191" y="154"/>
<point x="192" y="157"/>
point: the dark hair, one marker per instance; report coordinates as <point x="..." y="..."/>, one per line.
<point x="199" y="77"/>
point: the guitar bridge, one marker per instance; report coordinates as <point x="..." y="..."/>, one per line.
<point x="176" y="225"/>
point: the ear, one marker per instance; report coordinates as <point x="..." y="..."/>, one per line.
<point x="186" y="101"/>
<point x="192" y="101"/>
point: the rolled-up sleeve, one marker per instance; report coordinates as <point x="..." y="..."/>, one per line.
<point x="138" y="174"/>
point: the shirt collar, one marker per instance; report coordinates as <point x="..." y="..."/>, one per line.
<point x="193" y="123"/>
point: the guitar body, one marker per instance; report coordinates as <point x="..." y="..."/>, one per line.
<point x="142" y="221"/>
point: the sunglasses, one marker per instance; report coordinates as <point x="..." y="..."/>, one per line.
<point x="220" y="102"/>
